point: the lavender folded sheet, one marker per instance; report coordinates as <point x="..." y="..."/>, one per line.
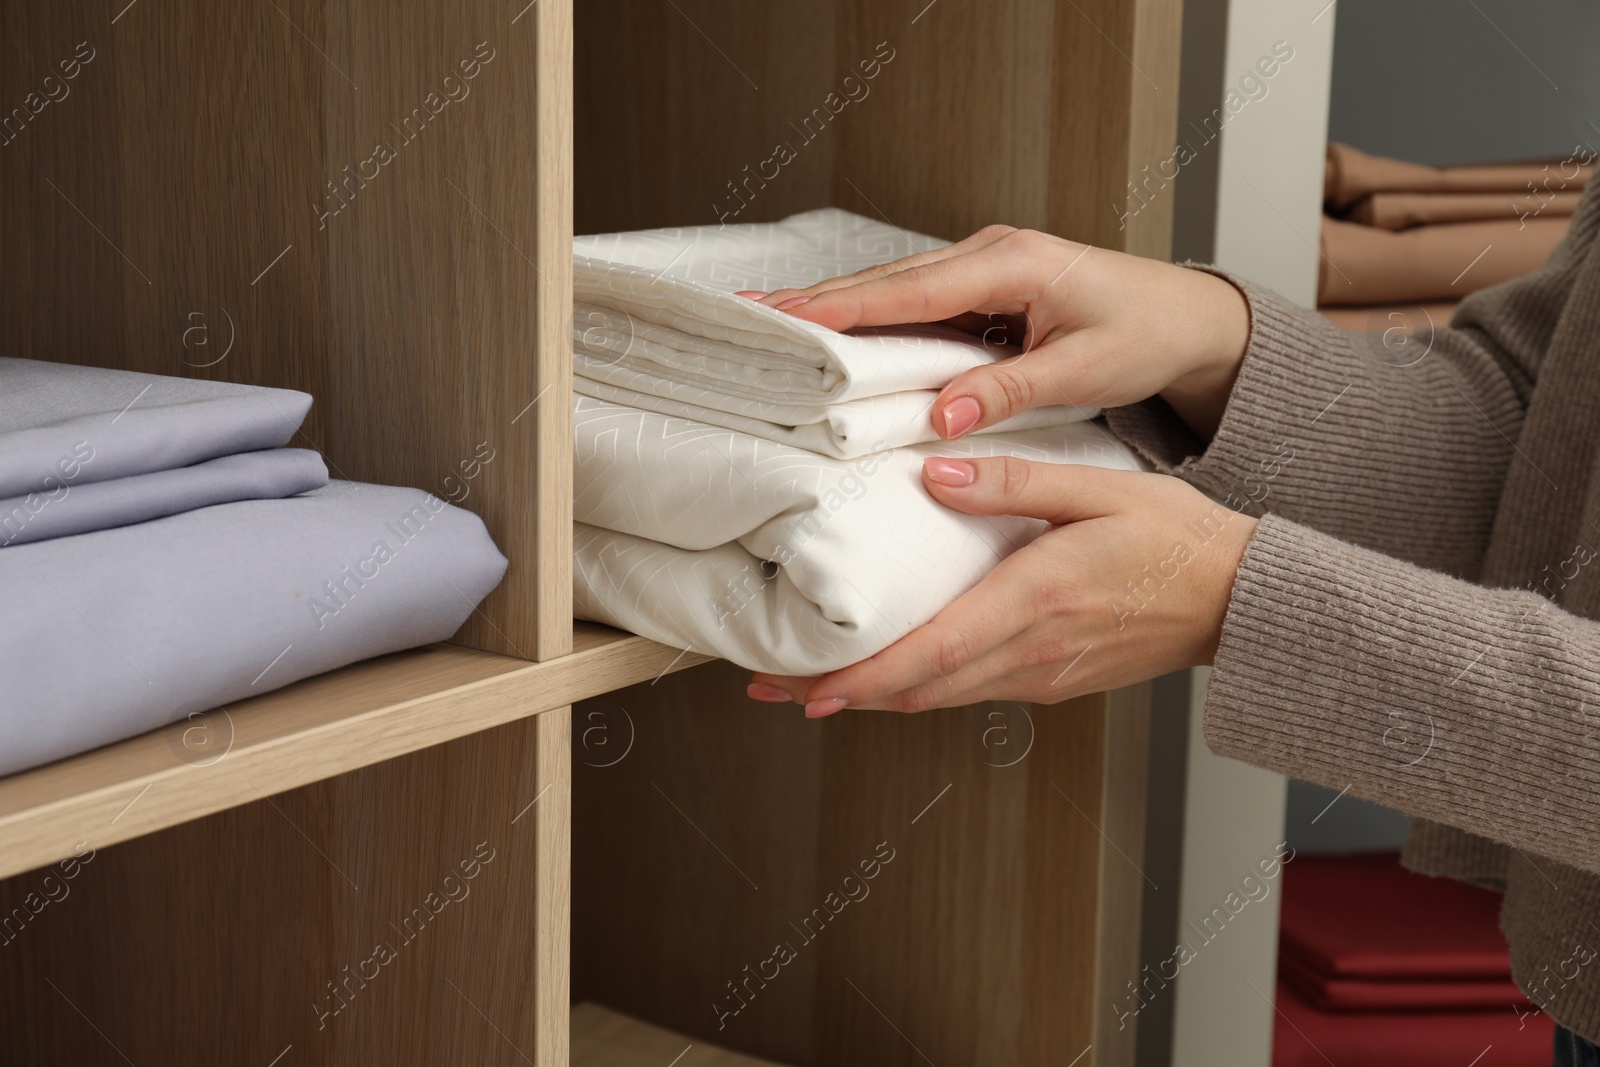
<point x="62" y="424"/>
<point x="109" y="634"/>
<point x="65" y="509"/>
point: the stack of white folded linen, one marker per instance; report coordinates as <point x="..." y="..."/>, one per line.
<point x="657" y="326"/>
<point x="163" y="556"/>
<point x="748" y="483"/>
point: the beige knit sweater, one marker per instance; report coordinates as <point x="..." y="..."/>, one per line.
<point x="1412" y="618"/>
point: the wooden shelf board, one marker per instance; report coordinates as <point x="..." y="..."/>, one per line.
<point x="312" y="730"/>
<point x="605" y="1038"/>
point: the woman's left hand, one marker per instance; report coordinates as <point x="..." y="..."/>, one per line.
<point x="1132" y="581"/>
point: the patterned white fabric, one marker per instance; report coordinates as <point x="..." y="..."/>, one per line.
<point x="777" y="558"/>
<point x="656" y="326"/>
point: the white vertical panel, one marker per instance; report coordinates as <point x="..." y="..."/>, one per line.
<point x="1269" y="202"/>
<point x="1233" y="819"/>
<point x="1269" y="198"/>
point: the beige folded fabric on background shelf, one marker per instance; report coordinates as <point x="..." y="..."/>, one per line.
<point x="1402" y="242"/>
<point x="1351" y="174"/>
<point x="1402" y="211"/>
<point x="1366" y="265"/>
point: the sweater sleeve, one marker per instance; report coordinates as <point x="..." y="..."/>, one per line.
<point x="1402" y="447"/>
<point x="1478" y="708"/>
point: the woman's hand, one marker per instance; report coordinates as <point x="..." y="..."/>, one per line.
<point x="1098" y="328"/>
<point x="1132" y="582"/>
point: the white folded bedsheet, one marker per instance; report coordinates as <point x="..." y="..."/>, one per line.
<point x="62" y="424"/>
<point x="844" y="431"/>
<point x="777" y="558"/>
<point x="656" y="323"/>
<point x="69" y="509"/>
<point x="108" y="634"/>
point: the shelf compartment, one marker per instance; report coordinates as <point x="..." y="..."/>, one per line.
<point x="403" y="252"/>
<point x="605" y="1038"/>
<point x="313" y="730"/>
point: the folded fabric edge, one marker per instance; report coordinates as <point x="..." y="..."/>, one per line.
<point x="117" y="502"/>
<point x="476" y="568"/>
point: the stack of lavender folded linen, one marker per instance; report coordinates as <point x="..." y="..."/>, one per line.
<point x="161" y="554"/>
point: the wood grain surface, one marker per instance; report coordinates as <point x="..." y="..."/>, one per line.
<point x="605" y="1038"/>
<point x="312" y="730"/>
<point x="1008" y="923"/>
<point x="320" y="195"/>
<point x="197" y="168"/>
<point x="1000" y="933"/>
<point x="409" y="913"/>
<point x="1036" y="113"/>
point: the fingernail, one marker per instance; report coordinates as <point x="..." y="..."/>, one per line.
<point x="750" y="294"/>
<point x="769" y="693"/>
<point x="820" y="709"/>
<point x="792" y="302"/>
<point x="961" y="415"/>
<point x="949" y="471"/>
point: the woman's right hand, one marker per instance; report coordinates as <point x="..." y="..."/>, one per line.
<point x="1098" y="328"/>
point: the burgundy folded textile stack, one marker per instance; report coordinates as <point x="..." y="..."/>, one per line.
<point x="1404" y="238"/>
<point x="1380" y="965"/>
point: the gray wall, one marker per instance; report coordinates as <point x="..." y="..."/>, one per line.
<point x="1433" y="81"/>
<point x="1320" y="820"/>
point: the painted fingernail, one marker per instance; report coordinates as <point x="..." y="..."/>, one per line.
<point x="961" y="415"/>
<point x="792" y="302"/>
<point x="750" y="294"/>
<point x="949" y="471"/>
<point x="821" y="709"/>
<point x="769" y="693"/>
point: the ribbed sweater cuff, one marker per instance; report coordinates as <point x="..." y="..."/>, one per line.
<point x="1287" y="382"/>
<point x="1335" y="433"/>
<point x="1446" y="700"/>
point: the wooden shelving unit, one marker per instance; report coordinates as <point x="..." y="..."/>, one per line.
<point x="313" y="730"/>
<point x="247" y="861"/>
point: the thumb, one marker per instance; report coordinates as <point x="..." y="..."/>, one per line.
<point x="986" y="396"/>
<point x="1058" y="492"/>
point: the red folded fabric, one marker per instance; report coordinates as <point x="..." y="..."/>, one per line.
<point x="1305" y="1037"/>
<point x="1364" y="916"/>
<point x="1328" y="993"/>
